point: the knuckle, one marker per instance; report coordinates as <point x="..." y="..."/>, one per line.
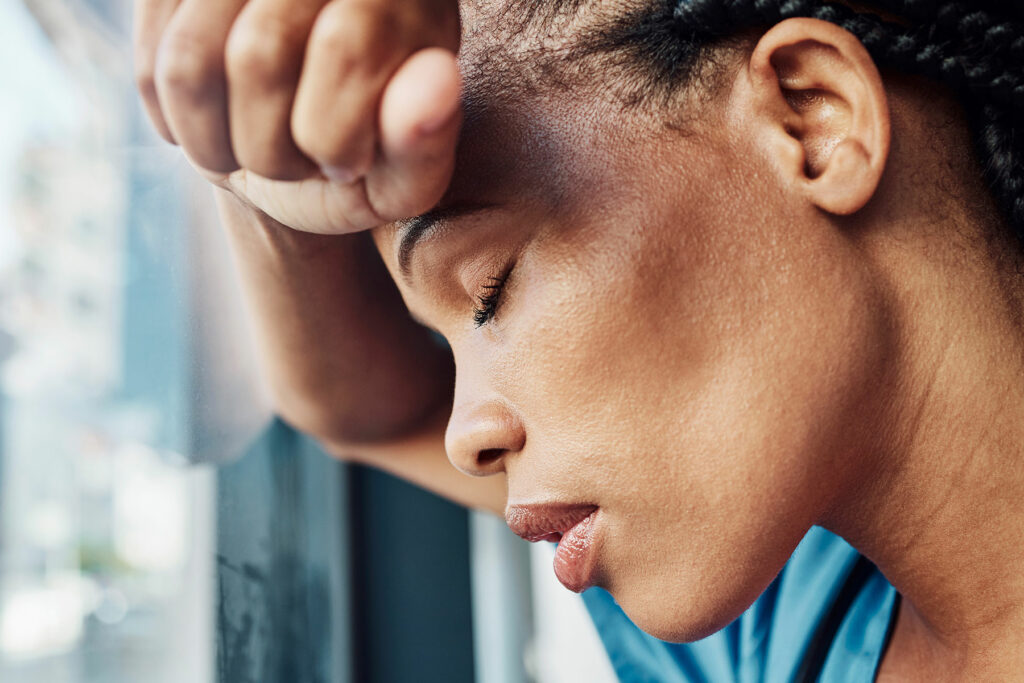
<point x="356" y="32"/>
<point x="330" y="32"/>
<point x="262" y="51"/>
<point x="187" y="66"/>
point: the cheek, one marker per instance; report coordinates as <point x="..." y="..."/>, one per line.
<point x="766" y="442"/>
<point x="589" y="352"/>
<point x="698" y="385"/>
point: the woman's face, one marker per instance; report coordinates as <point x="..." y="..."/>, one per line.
<point x="679" y="341"/>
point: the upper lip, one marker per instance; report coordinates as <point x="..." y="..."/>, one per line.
<point x="538" y="521"/>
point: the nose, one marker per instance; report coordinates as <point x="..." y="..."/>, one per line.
<point x="482" y="434"/>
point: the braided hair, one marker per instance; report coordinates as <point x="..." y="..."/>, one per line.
<point x="975" y="48"/>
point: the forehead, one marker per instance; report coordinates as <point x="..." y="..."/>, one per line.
<point x="533" y="90"/>
<point x="510" y="154"/>
<point x="527" y="141"/>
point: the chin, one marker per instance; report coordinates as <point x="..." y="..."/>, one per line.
<point x="680" y="621"/>
<point x="674" y="632"/>
<point x="685" y="616"/>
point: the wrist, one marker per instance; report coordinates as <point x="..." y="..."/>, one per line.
<point x="251" y="229"/>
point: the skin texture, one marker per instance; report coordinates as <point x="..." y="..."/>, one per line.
<point x="636" y="361"/>
<point x="718" y="339"/>
<point x="307" y="92"/>
<point x="796" y="308"/>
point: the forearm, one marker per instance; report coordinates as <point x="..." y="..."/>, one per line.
<point x="343" y="358"/>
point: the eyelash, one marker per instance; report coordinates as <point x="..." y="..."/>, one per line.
<point x="489" y="299"/>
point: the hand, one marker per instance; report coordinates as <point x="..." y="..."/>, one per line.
<point x="330" y="116"/>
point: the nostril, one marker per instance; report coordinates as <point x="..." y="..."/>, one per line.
<point x="481" y="434"/>
<point x="488" y="456"/>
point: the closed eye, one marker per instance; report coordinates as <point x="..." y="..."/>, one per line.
<point x="489" y="298"/>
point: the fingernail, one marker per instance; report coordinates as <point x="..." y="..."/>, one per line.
<point x="339" y="174"/>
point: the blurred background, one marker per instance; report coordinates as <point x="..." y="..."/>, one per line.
<point x="157" y="523"/>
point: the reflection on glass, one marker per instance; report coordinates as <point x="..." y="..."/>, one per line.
<point x="100" y="525"/>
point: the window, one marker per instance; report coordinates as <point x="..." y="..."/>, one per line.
<point x="155" y="523"/>
<point x="106" y="542"/>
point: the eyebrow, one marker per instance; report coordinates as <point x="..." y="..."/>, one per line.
<point x="415" y="230"/>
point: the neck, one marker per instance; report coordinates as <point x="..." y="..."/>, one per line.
<point x="942" y="512"/>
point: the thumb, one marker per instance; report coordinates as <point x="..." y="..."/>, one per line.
<point x="420" y="117"/>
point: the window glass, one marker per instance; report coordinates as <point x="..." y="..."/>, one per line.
<point x="105" y="538"/>
<point x="125" y="366"/>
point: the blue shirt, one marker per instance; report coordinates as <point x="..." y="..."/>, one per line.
<point x="826" y="593"/>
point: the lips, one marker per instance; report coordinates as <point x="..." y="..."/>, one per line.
<point x="571" y="526"/>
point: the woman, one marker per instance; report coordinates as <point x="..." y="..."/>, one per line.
<point x="711" y="273"/>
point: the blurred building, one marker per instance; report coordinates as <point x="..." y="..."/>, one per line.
<point x="98" y="554"/>
<point x="121" y="360"/>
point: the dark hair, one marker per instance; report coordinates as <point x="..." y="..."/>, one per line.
<point x="975" y="48"/>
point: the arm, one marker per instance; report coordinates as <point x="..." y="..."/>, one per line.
<point x="347" y="120"/>
<point x="345" y="362"/>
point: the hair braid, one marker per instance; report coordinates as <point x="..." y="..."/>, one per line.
<point x="975" y="48"/>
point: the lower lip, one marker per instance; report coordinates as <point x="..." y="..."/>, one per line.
<point x="574" y="558"/>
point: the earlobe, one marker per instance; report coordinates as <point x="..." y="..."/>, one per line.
<point x="823" y="112"/>
<point x="849" y="181"/>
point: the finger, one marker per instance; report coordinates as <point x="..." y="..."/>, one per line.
<point x="350" y="57"/>
<point x="190" y="81"/>
<point x="312" y="205"/>
<point x="264" y="60"/>
<point x="151" y="18"/>
<point x="419" y="122"/>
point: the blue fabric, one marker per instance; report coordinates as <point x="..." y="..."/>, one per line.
<point x="766" y="644"/>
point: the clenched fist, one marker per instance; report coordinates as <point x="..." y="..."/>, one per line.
<point x="328" y="116"/>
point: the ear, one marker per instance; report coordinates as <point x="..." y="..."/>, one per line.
<point x="816" y="100"/>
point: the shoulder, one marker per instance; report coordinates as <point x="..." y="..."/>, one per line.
<point x="769" y="641"/>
